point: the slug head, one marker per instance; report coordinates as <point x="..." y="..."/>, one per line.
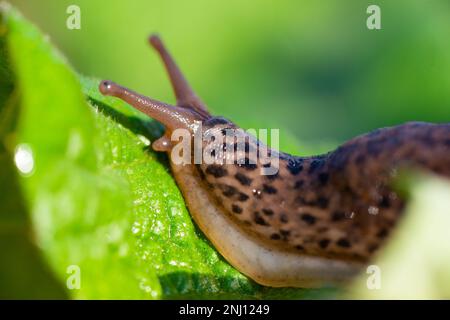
<point x="187" y="112"/>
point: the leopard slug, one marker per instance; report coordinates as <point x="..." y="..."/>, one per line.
<point x="318" y="219"/>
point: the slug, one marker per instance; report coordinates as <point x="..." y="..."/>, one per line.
<point x="317" y="220"/>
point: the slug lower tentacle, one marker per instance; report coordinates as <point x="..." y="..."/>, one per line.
<point x="317" y="220"/>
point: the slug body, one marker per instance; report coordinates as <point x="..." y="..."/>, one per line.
<point x="316" y="220"/>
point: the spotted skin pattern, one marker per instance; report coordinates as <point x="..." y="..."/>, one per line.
<point x="318" y="219"/>
<point x="338" y="204"/>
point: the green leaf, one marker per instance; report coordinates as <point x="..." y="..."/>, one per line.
<point x="97" y="197"/>
<point x="23" y="273"/>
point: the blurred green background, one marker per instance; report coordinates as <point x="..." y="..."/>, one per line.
<point x="311" y="68"/>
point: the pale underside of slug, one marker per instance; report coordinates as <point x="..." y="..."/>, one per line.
<point x="318" y="219"/>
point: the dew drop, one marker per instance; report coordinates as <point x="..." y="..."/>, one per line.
<point x="23" y="158"/>
<point x="349" y="215"/>
<point x="135" y="229"/>
<point x="144" y="140"/>
<point x="173" y="263"/>
<point x="256" y="192"/>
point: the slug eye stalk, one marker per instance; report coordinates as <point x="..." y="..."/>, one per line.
<point x="188" y="109"/>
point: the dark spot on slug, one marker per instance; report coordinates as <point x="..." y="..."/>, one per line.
<point x="213" y="153"/>
<point x="259" y="219"/>
<point x="308" y="218"/>
<point x="216" y="170"/>
<point x="338" y="216"/>
<point x="275" y="236"/>
<point x="224" y="131"/>
<point x="294" y="166"/>
<point x="344" y="243"/>
<point x="236" y="209"/>
<point x="216" y="120"/>
<point x="323" y="178"/>
<point x="273" y="176"/>
<point x="374" y="147"/>
<point x="232" y="192"/>
<point x="285" y="234"/>
<point x="447" y="142"/>
<point x="341" y="156"/>
<point x="269" y="189"/>
<point x="228" y="191"/>
<point x="382" y="233"/>
<point x="267" y="212"/>
<point x="428" y="140"/>
<point x="301" y="201"/>
<point x="322" y="202"/>
<point x="242" y="197"/>
<point x="267" y="165"/>
<point x="360" y="159"/>
<point x="315" y="164"/>
<point x="384" y="202"/>
<point x="284" y="218"/>
<point x="324" y="243"/>
<point x="200" y="172"/>
<point x="372" y="247"/>
<point x="299" y="247"/>
<point x="243" y="179"/>
<point x="299" y="184"/>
